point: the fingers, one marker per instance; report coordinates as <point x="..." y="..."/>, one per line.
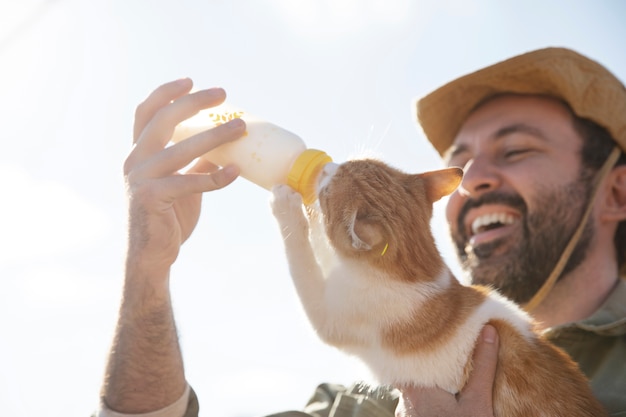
<point x="479" y="387"/>
<point x="203" y="166"/>
<point x="156" y="100"/>
<point x="159" y="129"/>
<point x="420" y="401"/>
<point x="176" y="157"/>
<point x="155" y="121"/>
<point x="476" y="397"/>
<point x="177" y="186"/>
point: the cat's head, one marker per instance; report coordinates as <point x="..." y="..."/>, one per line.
<point x="379" y="213"/>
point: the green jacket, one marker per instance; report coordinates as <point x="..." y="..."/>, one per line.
<point x="597" y="343"/>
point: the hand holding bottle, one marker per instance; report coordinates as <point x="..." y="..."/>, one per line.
<point x="164" y="202"/>
<point x="267" y="154"/>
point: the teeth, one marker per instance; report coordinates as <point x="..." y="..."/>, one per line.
<point x="488" y="219"/>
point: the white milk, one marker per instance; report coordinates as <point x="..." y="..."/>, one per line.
<point x="267" y="154"/>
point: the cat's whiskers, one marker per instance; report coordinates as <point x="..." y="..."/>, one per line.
<point x="369" y="147"/>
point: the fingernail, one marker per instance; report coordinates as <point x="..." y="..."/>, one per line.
<point x="235" y="123"/>
<point x="489" y="334"/>
<point x="231" y="170"/>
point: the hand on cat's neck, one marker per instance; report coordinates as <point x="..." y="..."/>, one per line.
<point x="577" y="295"/>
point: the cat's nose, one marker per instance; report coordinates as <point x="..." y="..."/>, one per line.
<point x="330" y="168"/>
<point x="327" y="173"/>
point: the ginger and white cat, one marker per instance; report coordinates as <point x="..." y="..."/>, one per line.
<point x="373" y="284"/>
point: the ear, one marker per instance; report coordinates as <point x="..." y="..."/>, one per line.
<point x="442" y="182"/>
<point x="614" y="208"/>
<point x="364" y="235"/>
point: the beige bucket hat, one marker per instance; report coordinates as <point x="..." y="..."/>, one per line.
<point x="589" y="88"/>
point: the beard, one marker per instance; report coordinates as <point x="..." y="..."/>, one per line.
<point x="524" y="267"/>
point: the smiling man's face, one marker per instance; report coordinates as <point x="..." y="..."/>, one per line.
<point x="522" y="195"/>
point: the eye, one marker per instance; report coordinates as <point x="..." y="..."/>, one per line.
<point x="516" y="153"/>
<point x="457" y="160"/>
<point x="362" y="216"/>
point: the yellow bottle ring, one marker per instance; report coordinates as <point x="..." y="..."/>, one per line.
<point x="303" y="174"/>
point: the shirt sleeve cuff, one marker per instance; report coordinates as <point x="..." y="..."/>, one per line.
<point x="176" y="409"/>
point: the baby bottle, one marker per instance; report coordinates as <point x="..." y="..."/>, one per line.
<point x="266" y="154"/>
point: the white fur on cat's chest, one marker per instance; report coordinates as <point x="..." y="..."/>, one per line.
<point x="366" y="306"/>
<point x="354" y="290"/>
<point x="364" y="303"/>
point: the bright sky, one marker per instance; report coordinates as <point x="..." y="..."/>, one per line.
<point x="339" y="73"/>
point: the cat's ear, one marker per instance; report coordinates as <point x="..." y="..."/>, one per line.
<point x="364" y="235"/>
<point x="442" y="182"/>
<point x="357" y="243"/>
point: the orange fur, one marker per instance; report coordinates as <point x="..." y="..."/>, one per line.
<point x="434" y="323"/>
<point x="391" y="292"/>
<point x="536" y="378"/>
<point x="385" y="209"/>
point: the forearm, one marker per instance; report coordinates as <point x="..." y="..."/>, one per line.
<point x="164" y="186"/>
<point x="145" y="367"/>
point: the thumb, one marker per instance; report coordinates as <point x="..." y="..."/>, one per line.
<point x="479" y="387"/>
<point x="221" y="178"/>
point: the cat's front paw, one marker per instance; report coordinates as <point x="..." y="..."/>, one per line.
<point x="287" y="206"/>
<point x="285" y="199"/>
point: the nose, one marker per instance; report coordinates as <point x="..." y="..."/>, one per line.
<point x="327" y="173"/>
<point x="479" y="176"/>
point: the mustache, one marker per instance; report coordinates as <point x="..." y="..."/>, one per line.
<point x="494" y="197"/>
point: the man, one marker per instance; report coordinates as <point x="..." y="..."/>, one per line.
<point x="532" y="134"/>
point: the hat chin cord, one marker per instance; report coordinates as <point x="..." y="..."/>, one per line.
<point x="567" y="252"/>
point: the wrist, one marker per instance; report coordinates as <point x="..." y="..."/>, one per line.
<point x="144" y="264"/>
<point x="146" y="286"/>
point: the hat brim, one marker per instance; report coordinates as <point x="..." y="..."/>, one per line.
<point x="590" y="90"/>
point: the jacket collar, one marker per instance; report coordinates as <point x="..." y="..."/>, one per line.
<point x="608" y="320"/>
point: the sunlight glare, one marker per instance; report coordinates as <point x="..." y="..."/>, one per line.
<point x="328" y="19"/>
<point x="44" y="218"/>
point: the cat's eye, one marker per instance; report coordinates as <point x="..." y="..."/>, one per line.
<point x="368" y="217"/>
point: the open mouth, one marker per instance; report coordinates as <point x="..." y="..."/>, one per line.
<point x="491" y="221"/>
